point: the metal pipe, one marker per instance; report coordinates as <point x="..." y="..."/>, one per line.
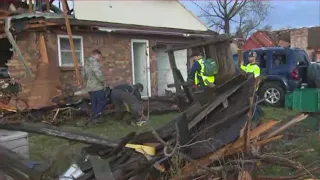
<point x="15" y="46"/>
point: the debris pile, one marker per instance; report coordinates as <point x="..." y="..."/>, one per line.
<point x="209" y="136"/>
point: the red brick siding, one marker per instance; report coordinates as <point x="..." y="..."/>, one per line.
<point x="116" y="50"/>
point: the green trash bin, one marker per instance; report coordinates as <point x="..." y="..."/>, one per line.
<point x="306" y="100"/>
<point x="288" y="101"/>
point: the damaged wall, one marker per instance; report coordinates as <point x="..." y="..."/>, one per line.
<point x="38" y="90"/>
<point x="299" y="39"/>
<point x="116" y="49"/>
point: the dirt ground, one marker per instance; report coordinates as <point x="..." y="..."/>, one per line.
<point x="61" y="153"/>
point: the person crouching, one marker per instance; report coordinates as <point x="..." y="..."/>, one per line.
<point x="122" y="99"/>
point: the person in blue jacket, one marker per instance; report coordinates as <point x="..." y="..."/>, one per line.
<point x="196" y="74"/>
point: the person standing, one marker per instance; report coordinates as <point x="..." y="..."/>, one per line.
<point x="95" y="82"/>
<point x="252" y="67"/>
<point x="197" y="72"/>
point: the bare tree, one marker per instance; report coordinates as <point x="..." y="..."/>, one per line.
<point x="237" y="16"/>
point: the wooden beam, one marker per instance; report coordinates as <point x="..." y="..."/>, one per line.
<point x="43" y="50"/>
<point x="218" y="39"/>
<point x="174" y="69"/>
<point x="48" y="5"/>
<point x="49" y="130"/>
<point x="219" y="100"/>
<point x="30" y="26"/>
<point x="30" y="6"/>
<point x="74" y="56"/>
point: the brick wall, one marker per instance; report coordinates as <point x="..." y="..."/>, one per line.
<point x="116" y="50"/>
<point x="299" y="39"/>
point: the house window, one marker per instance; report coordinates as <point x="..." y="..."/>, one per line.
<point x="65" y="54"/>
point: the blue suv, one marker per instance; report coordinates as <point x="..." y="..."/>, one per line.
<point x="282" y="70"/>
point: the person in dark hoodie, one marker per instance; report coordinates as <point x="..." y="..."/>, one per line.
<point x="133" y="89"/>
<point x="125" y="96"/>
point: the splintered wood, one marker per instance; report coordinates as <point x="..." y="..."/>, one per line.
<point x="191" y="136"/>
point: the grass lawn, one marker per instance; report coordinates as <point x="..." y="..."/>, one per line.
<point x="63" y="152"/>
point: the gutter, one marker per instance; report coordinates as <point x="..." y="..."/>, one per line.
<point x="15" y="46"/>
<point x="170" y="33"/>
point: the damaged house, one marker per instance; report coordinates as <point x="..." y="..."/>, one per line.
<point x="132" y="35"/>
<point x="306" y="38"/>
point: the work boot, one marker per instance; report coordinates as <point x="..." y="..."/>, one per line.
<point x="97" y="119"/>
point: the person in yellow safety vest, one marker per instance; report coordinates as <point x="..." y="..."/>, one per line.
<point x="252" y="67"/>
<point x="197" y="70"/>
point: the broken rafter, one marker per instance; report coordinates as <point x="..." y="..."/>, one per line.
<point x="74" y="56"/>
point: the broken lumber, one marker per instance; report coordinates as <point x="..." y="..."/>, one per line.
<point x="213" y="105"/>
<point x="17" y="166"/>
<point x="230" y="148"/>
<point x="295" y="120"/>
<point x="73" y="53"/>
<point x="49" y="130"/>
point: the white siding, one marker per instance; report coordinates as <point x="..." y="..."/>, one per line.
<point x="159" y="13"/>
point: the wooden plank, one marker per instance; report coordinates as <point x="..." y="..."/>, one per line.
<point x="178" y="78"/>
<point x="295" y="120"/>
<point x="30" y="6"/>
<point x="74" y="56"/>
<point x="43" y="50"/>
<point x="49" y="130"/>
<point x="220" y="99"/>
<point x="48" y="5"/>
<point x="173" y="66"/>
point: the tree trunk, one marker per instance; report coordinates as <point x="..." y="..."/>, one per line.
<point x="227" y="26"/>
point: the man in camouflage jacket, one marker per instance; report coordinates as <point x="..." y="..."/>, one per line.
<point x="95" y="82"/>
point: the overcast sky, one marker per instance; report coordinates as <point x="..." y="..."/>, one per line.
<point x="285" y="13"/>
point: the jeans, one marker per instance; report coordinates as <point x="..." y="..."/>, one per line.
<point x="120" y="99"/>
<point x="98" y="101"/>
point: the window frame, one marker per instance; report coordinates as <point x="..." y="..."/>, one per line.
<point x="265" y="61"/>
<point x="279" y="53"/>
<point x="59" y="50"/>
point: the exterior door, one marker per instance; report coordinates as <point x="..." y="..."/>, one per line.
<point x="141" y="65"/>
